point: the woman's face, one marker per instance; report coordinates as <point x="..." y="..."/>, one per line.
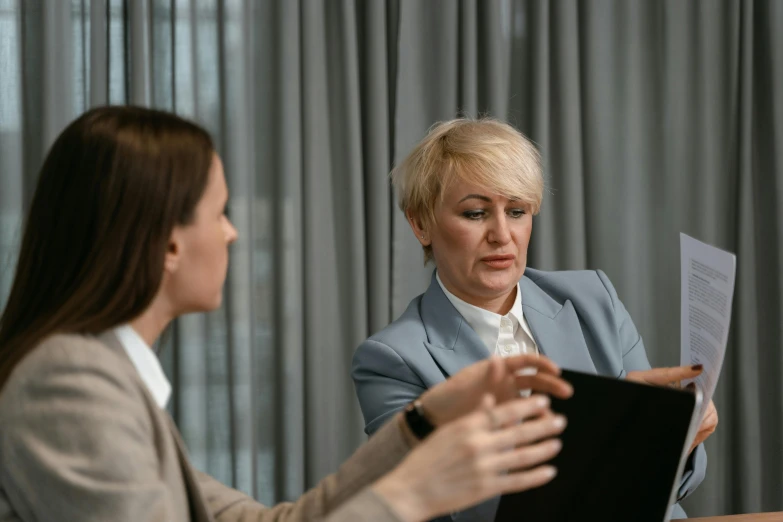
<point x="479" y="242"/>
<point x="198" y="252"/>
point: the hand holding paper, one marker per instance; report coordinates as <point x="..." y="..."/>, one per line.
<point x="665" y="376"/>
<point x="707" y="289"/>
<point x="707" y="427"/>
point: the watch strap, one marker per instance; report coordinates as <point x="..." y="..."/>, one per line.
<point x="417" y="420"/>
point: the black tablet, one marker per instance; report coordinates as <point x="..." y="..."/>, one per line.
<point x="624" y="451"/>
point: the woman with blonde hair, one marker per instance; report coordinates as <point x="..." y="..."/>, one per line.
<point x="127" y="230"/>
<point x="469" y="191"/>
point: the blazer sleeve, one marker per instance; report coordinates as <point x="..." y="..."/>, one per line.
<point x="341" y="497"/>
<point x="635" y="358"/>
<point x="76" y="440"/>
<point x="384" y="382"/>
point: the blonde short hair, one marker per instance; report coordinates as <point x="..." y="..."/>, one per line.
<point x="484" y="152"/>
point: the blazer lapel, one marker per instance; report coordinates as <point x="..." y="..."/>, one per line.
<point x="556" y="328"/>
<point x="197" y="504"/>
<point x="451" y="341"/>
<point x="198" y="509"/>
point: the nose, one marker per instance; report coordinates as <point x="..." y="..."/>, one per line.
<point x="499" y="231"/>
<point x="231" y="232"/>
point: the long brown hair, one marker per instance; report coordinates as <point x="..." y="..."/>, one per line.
<point x="112" y="188"/>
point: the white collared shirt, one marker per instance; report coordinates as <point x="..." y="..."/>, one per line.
<point x="146" y="363"/>
<point x="503" y="335"/>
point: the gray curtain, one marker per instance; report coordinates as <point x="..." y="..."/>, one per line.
<point x="654" y="117"/>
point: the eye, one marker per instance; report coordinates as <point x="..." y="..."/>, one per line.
<point x="474" y="215"/>
<point x="516" y="213"/>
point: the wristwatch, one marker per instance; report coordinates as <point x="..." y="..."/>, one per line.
<point x="417" y="420"/>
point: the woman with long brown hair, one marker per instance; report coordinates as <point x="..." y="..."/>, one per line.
<point x="127" y="231"/>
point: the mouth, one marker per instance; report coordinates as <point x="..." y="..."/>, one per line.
<point x="499" y="261"/>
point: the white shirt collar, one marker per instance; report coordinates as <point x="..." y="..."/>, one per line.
<point x="485" y="323"/>
<point x="146" y="363"/>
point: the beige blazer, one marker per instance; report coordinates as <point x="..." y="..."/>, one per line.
<point x="82" y="439"/>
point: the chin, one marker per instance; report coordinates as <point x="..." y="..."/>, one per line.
<point x="502" y="280"/>
<point x="217" y="302"/>
<point x="206" y="305"/>
<point x="496" y="288"/>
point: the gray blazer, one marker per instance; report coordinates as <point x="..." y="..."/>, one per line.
<point x="81" y="438"/>
<point x="576" y="318"/>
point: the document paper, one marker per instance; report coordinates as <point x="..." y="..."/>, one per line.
<point x="707" y="288"/>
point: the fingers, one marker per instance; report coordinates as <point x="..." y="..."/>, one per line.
<point x="524" y="457"/>
<point x="710" y="420"/>
<point x="714" y="418"/>
<point x="700" y="437"/>
<point x="501" y="448"/>
<point x="523" y="480"/>
<point x="664" y="376"/>
<point x="530" y="431"/>
<point x="545" y="383"/>
<point x="516" y="411"/>
<point x="543" y="364"/>
<point x="522" y="467"/>
<point x="496" y="370"/>
<point x="707" y="427"/>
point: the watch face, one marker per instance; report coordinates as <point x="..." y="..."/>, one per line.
<point x="418" y="423"/>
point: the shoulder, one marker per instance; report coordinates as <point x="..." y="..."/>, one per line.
<point x="73" y="364"/>
<point x="574" y="285"/>
<point x="399" y="342"/>
<point x="406" y="328"/>
<point x="594" y="299"/>
<point x="75" y="418"/>
<point x="69" y="352"/>
<point x="86" y="389"/>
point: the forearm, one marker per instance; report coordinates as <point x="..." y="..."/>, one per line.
<point x="366" y="505"/>
<point x="370" y="462"/>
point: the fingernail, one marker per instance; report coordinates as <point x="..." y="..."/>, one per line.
<point x="542" y="401"/>
<point x="556" y="444"/>
<point x="559" y="421"/>
<point x="550" y="471"/>
<point x="697" y="367"/>
<point x="691" y="386"/>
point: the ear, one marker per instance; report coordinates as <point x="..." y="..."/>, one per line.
<point x="418" y="227"/>
<point x="173" y="253"/>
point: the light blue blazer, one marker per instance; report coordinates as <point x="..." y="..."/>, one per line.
<point x="576" y="319"/>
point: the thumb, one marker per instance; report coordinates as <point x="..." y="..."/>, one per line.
<point x="497" y="380"/>
<point x="494" y="371"/>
